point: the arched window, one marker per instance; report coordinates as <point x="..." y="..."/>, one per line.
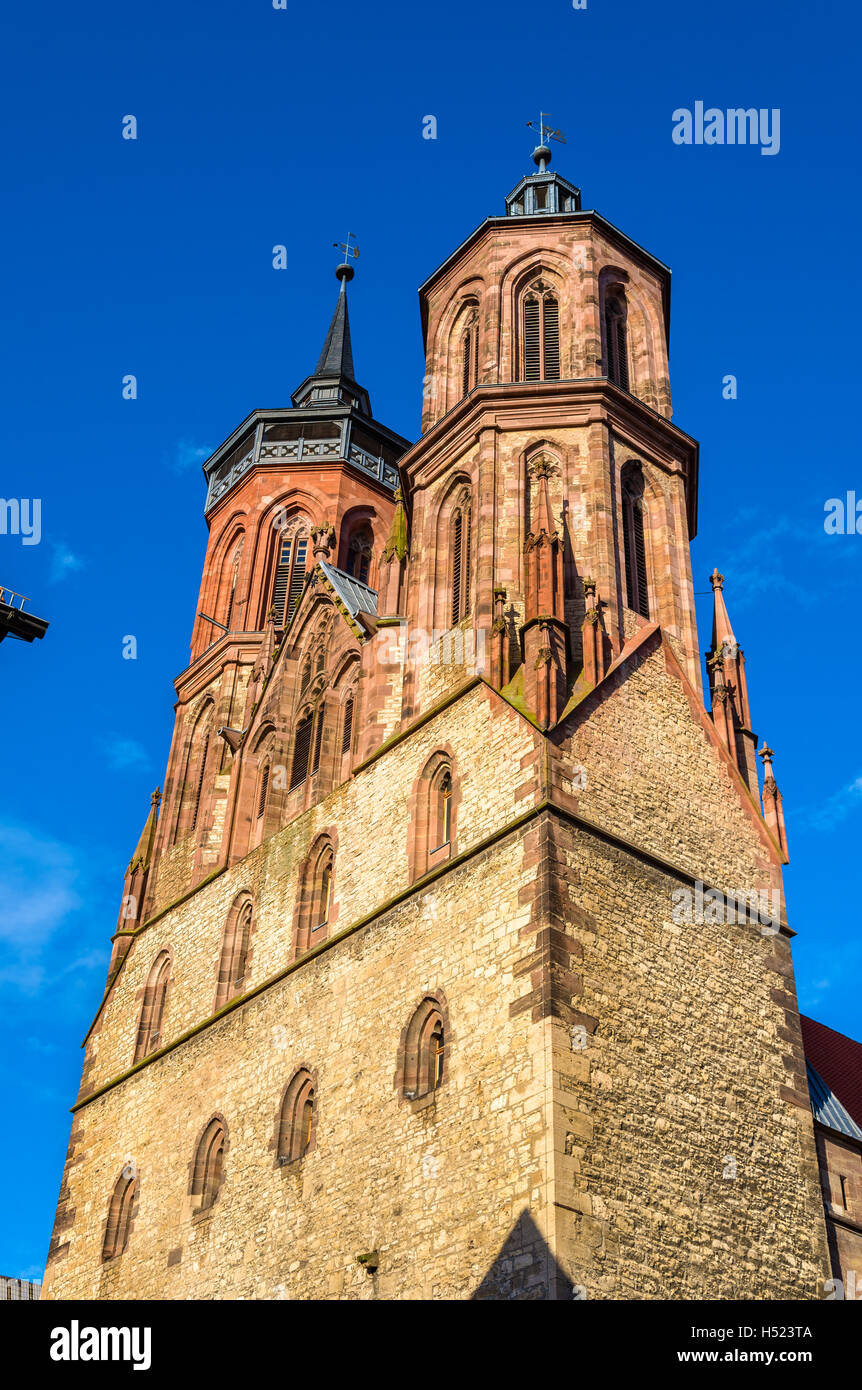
<point x="263" y="787"/>
<point x="297" y="1119"/>
<point x="236" y="943"/>
<point x="301" y="750"/>
<point x="318" y="737"/>
<point x="616" y="346"/>
<point x="540" y="335"/>
<point x="460" y="547"/>
<point x="431" y="809"/>
<point x="470" y="355"/>
<point x="232" y="578"/>
<point x="634" y="546"/>
<point x="424" y="1050"/>
<point x="208" y="1165"/>
<point x="155" y="992"/>
<point x="119" y="1222"/>
<point x="443" y="808"/>
<point x="315" y="905"/>
<point x="359" y="550"/>
<point x="196" y="768"/>
<point x="289" y="577"/>
<point x="347" y="724"/>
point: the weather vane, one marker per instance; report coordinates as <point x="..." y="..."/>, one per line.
<point x="344" y="270"/>
<point x="543" y="126"/>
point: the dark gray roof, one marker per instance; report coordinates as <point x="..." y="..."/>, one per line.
<point x="336" y="358"/>
<point x="827" y="1108"/>
<point x="356" y="597"/>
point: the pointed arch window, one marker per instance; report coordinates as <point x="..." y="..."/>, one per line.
<point x="470" y="355"/>
<point x="119" y="1223"/>
<point x="443" y="809"/>
<point x="196" y="768"/>
<point x="318" y="738"/>
<point x="424" y="1051"/>
<point x="634" y="546"/>
<point x="359" y="549"/>
<point x="232" y="579"/>
<point x="297" y="1119"/>
<point x="540" y="331"/>
<point x="236" y="943"/>
<point x="152" y="1008"/>
<point x="616" y="340"/>
<point x="347" y="725"/>
<point x="301" y="750"/>
<point x="461" y="539"/>
<point x="208" y="1169"/>
<point x="262" y="790"/>
<point x="291" y="556"/>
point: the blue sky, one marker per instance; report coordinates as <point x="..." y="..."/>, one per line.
<point x="259" y="127"/>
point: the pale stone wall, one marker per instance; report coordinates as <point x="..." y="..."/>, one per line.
<point x="436" y="1190"/>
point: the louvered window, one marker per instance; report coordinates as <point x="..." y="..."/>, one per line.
<point x="532" y="362"/>
<point x="635" y="547"/>
<point x="541" y="354"/>
<point x="201" y="775"/>
<point x="470" y="358"/>
<point x="264" y="783"/>
<point x="289" y="578"/>
<point x="460" y="561"/>
<point x="616" y="346"/>
<point x="318" y="739"/>
<point x="301" y="749"/>
<point x="347" y="728"/>
<point x="551" y="335"/>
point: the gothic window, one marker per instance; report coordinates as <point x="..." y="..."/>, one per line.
<point x="347" y="725"/>
<point x="207" y="1170"/>
<point x="291" y="555"/>
<point x="297" y="1118"/>
<point x="232" y="578"/>
<point x="119" y="1221"/>
<point x="318" y="738"/>
<point x="424" y="1051"/>
<point x="194" y="779"/>
<point x="616" y="346"/>
<point x="540" y="352"/>
<point x="637" y="594"/>
<point x="236" y="943"/>
<point x="315" y="903"/>
<point x="263" y="787"/>
<point x="358" y="560"/>
<point x="152" y="1008"/>
<point x="443" y="809"/>
<point x="460" y="546"/>
<point x="301" y="750"/>
<point x="470" y="356"/>
<point x="432" y="815"/>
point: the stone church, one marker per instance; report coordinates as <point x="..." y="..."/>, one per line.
<point x="452" y="962"/>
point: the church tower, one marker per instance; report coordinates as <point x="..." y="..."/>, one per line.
<point x="453" y="960"/>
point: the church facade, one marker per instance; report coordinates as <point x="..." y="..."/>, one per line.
<point x="453" y="961"/>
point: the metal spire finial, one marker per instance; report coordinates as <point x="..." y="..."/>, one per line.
<point x="542" y="152"/>
<point x="344" y="271"/>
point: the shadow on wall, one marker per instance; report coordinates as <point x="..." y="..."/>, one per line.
<point x="524" y="1268"/>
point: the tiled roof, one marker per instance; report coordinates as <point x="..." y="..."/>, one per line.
<point x="838" y="1061"/>
<point x="827" y="1108"/>
<point x="356" y="597"/>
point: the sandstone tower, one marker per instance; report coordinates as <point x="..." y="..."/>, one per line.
<point x="433" y="976"/>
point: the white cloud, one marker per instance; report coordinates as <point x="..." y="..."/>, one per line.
<point x="122" y="753"/>
<point x="188" y="455"/>
<point x="63" y="563"/>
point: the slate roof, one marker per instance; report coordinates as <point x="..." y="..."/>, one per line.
<point x="837" y="1062"/>
<point x="828" y="1108"/>
<point x="356" y="597"/>
<point x="336" y="358"/>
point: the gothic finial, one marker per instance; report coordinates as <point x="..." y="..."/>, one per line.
<point x="156" y="797"/>
<point x="767" y="755"/>
<point x="716" y="580"/>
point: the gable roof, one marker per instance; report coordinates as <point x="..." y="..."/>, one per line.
<point x="827" y="1108"/>
<point x="356" y="597"/>
<point x="838" y="1062"/>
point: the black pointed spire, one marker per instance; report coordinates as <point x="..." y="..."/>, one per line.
<point x="336" y="359"/>
<point x="333" y="379"/>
